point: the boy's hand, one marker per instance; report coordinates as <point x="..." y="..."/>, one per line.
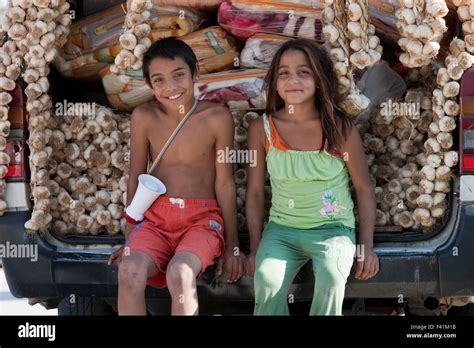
<point x="250" y="264"/>
<point x="233" y="261"/>
<point x="368" y="266"/>
<point x="116" y="256"/>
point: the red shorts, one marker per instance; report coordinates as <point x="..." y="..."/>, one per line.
<point x="173" y="225"/>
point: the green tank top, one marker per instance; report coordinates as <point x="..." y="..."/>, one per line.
<point x="309" y="188"/>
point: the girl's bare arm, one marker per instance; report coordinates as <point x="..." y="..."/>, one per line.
<point x="255" y="194"/>
<point x="356" y="161"/>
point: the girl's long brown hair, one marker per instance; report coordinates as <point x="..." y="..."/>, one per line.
<point x="335" y="122"/>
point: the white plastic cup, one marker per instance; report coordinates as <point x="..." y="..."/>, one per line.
<point x="148" y="190"/>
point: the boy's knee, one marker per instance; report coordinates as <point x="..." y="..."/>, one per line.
<point x="132" y="274"/>
<point x="179" y="273"/>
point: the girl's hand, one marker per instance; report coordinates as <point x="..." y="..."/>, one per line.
<point x="231" y="264"/>
<point x="368" y="266"/>
<point x="250" y="264"/>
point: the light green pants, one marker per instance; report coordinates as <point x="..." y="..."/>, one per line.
<point x="284" y="250"/>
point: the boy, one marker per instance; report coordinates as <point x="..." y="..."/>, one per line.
<point x="184" y="229"/>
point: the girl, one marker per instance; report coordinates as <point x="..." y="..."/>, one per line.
<point x="310" y="147"/>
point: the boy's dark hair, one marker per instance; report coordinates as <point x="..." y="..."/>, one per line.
<point x="169" y="48"/>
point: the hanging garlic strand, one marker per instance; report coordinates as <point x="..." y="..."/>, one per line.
<point x="134" y="41"/>
<point x="421" y="26"/>
<point x="335" y="19"/>
<point x="445" y="109"/>
<point x="36" y="42"/>
<point x="365" y="45"/>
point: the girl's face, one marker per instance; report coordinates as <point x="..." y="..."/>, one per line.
<point x="295" y="78"/>
<point x="171" y="81"/>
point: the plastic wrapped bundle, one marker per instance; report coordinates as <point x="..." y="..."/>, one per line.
<point x="260" y="49"/>
<point x="382" y="16"/>
<point x="239" y="89"/>
<point x="244" y="18"/>
<point x="94" y="41"/>
<point x="126" y="91"/>
<point x="174" y="21"/>
<point x="214" y="49"/>
<point x="199" y="4"/>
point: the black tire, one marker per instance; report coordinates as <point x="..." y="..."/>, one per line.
<point x="84" y="306"/>
<point x="467" y="310"/>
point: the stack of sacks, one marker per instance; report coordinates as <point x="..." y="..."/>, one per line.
<point x="198" y="4"/>
<point x="382" y="15"/>
<point x="94" y="41"/>
<point x="244" y="18"/>
<point x="239" y="89"/>
<point x="260" y="49"/>
<point x="214" y="49"/>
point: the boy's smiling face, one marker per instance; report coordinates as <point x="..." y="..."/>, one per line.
<point x="295" y="82"/>
<point x="172" y="82"/>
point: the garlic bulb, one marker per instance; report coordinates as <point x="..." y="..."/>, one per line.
<point x="451" y="89"/>
<point x="450" y="158"/>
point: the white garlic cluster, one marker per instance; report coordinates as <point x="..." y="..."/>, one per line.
<point x="242" y="120"/>
<point x="10" y="67"/>
<point x="365" y="45"/>
<point x="10" y="63"/>
<point x="35" y="28"/>
<point x="134" y="40"/>
<point x="437" y="172"/>
<point x="406" y="161"/>
<point x="88" y="165"/>
<point x="465" y="11"/>
<point x="337" y="45"/>
<point x="413" y="157"/>
<point x="38" y="28"/>
<point x="421" y="25"/>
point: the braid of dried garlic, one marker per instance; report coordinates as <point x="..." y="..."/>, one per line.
<point x="336" y="44"/>
<point x="37" y="35"/>
<point x="421" y="26"/>
<point x="365" y="45"/>
<point x="134" y="40"/>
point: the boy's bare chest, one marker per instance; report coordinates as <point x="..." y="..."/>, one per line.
<point x="194" y="142"/>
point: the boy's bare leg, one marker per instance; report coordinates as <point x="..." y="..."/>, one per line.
<point x="134" y="270"/>
<point x="181" y="275"/>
